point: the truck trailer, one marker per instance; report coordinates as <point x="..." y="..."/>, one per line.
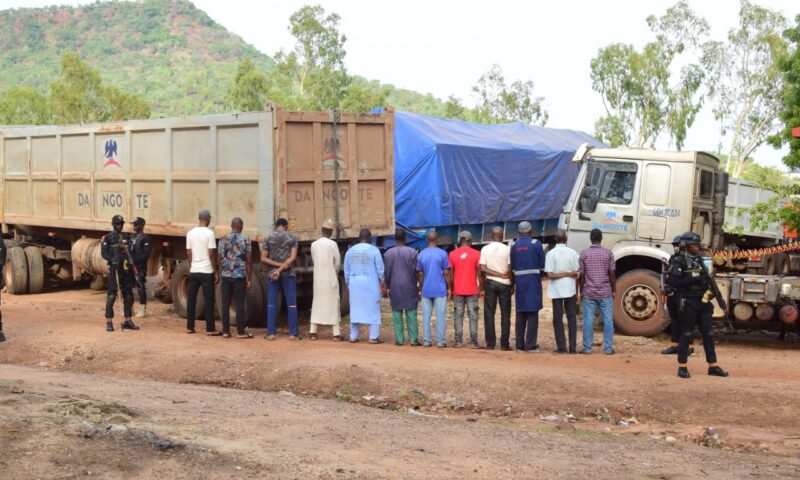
<point x="60" y="186"/>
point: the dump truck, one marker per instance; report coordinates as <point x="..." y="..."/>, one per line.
<point x="60" y="186"/>
<point x="641" y="199"/>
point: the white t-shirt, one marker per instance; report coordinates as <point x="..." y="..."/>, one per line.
<point x="497" y="256"/>
<point x="200" y="240"/>
<point x="561" y="259"/>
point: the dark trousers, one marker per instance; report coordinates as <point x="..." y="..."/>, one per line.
<point x="196" y="281"/>
<point x="494" y="293"/>
<point x="235" y="288"/>
<point x="673" y="307"/>
<point x="570" y="304"/>
<point x="119" y="279"/>
<point x="141" y="287"/>
<point x="527" y="330"/>
<point x="696" y="313"/>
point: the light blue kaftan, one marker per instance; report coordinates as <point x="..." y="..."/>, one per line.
<point x="363" y="272"/>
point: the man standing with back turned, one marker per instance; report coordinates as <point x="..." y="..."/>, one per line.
<point x="562" y="265"/>
<point x="235" y="254"/>
<point x="527" y="263"/>
<point x="327" y="260"/>
<point x="598" y="285"/>
<point x="201" y="252"/>
<point x="495" y="263"/>
<point x="467" y="283"/>
<point x="403" y="286"/>
<point x="279" y="251"/>
<point x="363" y="272"/>
<point x="433" y="272"/>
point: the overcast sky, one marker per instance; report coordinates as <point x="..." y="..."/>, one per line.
<point x="443" y="46"/>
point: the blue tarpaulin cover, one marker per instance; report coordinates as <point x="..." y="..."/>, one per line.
<point x="450" y="172"/>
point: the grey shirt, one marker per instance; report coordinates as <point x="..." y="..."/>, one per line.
<point x="279" y="246"/>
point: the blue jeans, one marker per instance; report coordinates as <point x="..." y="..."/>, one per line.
<point x="606" y="307"/>
<point x="439" y="304"/>
<point x="288" y="285"/>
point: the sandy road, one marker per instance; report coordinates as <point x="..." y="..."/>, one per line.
<point x="503" y="392"/>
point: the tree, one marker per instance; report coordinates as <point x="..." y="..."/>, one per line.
<point x="312" y="76"/>
<point x="78" y="96"/>
<point x="249" y="90"/>
<point x="453" y="108"/>
<point x="640" y="102"/>
<point x="363" y="97"/>
<point x="789" y="113"/>
<point x="498" y="102"/>
<point x="745" y="80"/>
<point x="24" y="106"/>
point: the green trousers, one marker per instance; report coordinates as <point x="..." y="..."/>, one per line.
<point x="411" y="321"/>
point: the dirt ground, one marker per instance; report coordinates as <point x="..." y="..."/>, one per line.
<point x="76" y="399"/>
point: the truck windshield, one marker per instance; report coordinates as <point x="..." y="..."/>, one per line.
<point x="615" y="181"/>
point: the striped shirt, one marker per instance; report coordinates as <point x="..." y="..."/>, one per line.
<point x="596" y="263"/>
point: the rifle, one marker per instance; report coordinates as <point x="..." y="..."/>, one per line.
<point x="663" y="285"/>
<point x="712" y="284"/>
<point x="128" y="258"/>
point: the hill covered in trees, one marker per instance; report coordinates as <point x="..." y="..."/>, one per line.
<point x="167" y="52"/>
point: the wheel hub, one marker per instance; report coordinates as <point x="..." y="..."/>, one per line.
<point x="640" y="302"/>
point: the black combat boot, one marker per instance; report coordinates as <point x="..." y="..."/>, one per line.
<point x="717" y="372"/>
<point x="129" y="325"/>
<point x="109" y="326"/>
<point x="683" y="372"/>
<point x="2" y="337"/>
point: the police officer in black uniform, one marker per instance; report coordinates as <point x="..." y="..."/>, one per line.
<point x="140" y="251"/>
<point x="674" y="301"/>
<point x="688" y="278"/>
<point x="2" y="264"/>
<point x="112" y="249"/>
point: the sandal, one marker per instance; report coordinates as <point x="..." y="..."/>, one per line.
<point x="312" y="336"/>
<point x="226" y="335"/>
<point x="190" y="330"/>
<point x="214" y="334"/>
<point x="245" y="335"/>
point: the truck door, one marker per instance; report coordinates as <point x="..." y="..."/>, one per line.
<point x="608" y="201"/>
<point x="654" y="208"/>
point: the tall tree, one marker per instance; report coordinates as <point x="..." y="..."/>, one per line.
<point x="745" y="81"/>
<point x="640" y="101"/>
<point x="248" y="92"/>
<point x="79" y="96"/>
<point x="312" y="76"/>
<point x="498" y="102"/>
<point x="789" y="112"/>
<point x="24" y="106"/>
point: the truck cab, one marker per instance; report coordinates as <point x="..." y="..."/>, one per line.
<point x="640" y="200"/>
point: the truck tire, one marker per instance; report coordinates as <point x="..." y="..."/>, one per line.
<point x="15" y="273"/>
<point x="781" y="264"/>
<point x="344" y="297"/>
<point x="638" y="308"/>
<point x="179" y="292"/>
<point x="254" y="304"/>
<point x="35" y="269"/>
<point x="769" y="265"/>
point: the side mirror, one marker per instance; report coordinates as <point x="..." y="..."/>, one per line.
<point x="587" y="202"/>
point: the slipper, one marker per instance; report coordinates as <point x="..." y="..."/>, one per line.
<point x="226" y="335"/>
<point x="269" y="337"/>
<point x="190" y="330"/>
<point x="245" y="335"/>
<point x="214" y="334"/>
<point x="312" y="336"/>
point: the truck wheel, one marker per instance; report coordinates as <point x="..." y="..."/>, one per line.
<point x="98" y="283"/>
<point x="637" y="304"/>
<point x="344" y="297"/>
<point x="254" y="304"/>
<point x="781" y="264"/>
<point x="35" y="269"/>
<point x="769" y="265"/>
<point x="15" y="272"/>
<point x="178" y="287"/>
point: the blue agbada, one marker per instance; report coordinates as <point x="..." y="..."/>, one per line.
<point x="527" y="262"/>
<point x="363" y="273"/>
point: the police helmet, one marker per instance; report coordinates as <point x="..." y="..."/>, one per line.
<point x="117" y="220"/>
<point x="691" y="238"/>
<point x="677" y="240"/>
